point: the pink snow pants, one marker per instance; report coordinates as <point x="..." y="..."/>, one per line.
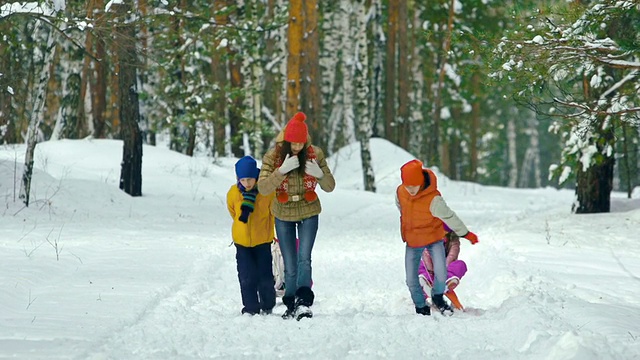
<point x="456" y="268"/>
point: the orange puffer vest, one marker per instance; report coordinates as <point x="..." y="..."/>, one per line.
<point x="418" y="226"/>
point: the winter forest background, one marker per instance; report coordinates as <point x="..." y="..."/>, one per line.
<point x="508" y="93"/>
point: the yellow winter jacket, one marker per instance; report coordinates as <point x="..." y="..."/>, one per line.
<point x="260" y="227"/>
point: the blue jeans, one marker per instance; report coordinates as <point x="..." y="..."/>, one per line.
<point x="297" y="262"/>
<point x="412" y="263"/>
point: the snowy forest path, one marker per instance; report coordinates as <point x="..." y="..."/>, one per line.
<point x="359" y="284"/>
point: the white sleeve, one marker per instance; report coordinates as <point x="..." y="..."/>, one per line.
<point x="441" y="210"/>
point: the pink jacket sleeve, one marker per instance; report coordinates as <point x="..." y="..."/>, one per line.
<point x="427" y="260"/>
<point x="454" y="251"/>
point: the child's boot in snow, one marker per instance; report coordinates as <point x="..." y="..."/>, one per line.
<point x="441" y="304"/>
<point x="425" y="310"/>
<point x="289" y="302"/>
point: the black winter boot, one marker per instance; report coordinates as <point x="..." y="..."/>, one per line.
<point x="304" y="300"/>
<point x="441" y="304"/>
<point x="425" y="310"/>
<point x="290" y="303"/>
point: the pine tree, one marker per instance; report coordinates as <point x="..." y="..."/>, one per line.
<point x="584" y="74"/>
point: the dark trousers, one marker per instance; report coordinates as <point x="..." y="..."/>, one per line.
<point x="256" y="278"/>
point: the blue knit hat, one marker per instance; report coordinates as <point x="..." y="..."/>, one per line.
<point x="247" y="167"/>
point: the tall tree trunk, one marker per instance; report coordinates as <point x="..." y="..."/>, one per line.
<point x="99" y="93"/>
<point x="512" y="151"/>
<point x="475" y="127"/>
<point x="348" y="67"/>
<point x="272" y="79"/>
<point x="339" y="116"/>
<point x="112" y="108"/>
<point x="84" y="107"/>
<point x="282" y="45"/>
<point x="53" y="98"/>
<point x="129" y="110"/>
<point x="191" y="139"/>
<point x="69" y="70"/>
<point x="530" y="173"/>
<point x="416" y="97"/>
<point x="7" y="115"/>
<point x="219" y="73"/>
<point x="312" y="105"/>
<point x="256" y="109"/>
<point x="594" y="185"/>
<point x="629" y="164"/>
<point x="451" y="161"/>
<point x="37" y="111"/>
<point x="67" y="118"/>
<point x="436" y="152"/>
<point x="404" y="61"/>
<point x="362" y="95"/>
<point x="235" y="111"/>
<point x="390" y="73"/>
<point x="6" y="100"/>
<point x="295" y="36"/>
<point x="376" y="48"/>
<point x="143" y="78"/>
<point x="328" y="59"/>
<point x="177" y="132"/>
<point x="253" y="83"/>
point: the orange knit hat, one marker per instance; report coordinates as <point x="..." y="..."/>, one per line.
<point x="412" y="174"/>
<point x="296" y="130"/>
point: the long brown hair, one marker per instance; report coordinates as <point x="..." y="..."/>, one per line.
<point x="284" y="149"/>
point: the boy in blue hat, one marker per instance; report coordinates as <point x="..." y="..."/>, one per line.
<point x="252" y="232"/>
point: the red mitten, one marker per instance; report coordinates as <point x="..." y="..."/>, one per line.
<point x="471" y="237"/>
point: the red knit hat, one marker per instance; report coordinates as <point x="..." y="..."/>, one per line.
<point x="412" y="174"/>
<point x="296" y="130"/>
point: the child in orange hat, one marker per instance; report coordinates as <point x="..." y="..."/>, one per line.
<point x="422" y="213"/>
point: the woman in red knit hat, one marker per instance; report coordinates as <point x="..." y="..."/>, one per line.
<point x="293" y="169"/>
<point x="423" y="213"/>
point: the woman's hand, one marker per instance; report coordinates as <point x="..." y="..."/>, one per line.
<point x="312" y="168"/>
<point x="289" y="164"/>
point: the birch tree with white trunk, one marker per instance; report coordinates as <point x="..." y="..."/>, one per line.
<point x="362" y="95"/>
<point x="281" y="45"/>
<point x="328" y="59"/>
<point x="416" y="121"/>
<point x="341" y="121"/>
<point x="67" y="122"/>
<point x="531" y="162"/>
<point x="38" y="106"/>
<point x="348" y="68"/>
<point x="377" y="64"/>
<point x="253" y="83"/>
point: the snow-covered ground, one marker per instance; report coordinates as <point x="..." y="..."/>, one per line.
<point x="154" y="277"/>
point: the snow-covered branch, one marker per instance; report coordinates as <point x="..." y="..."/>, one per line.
<point x="587" y="109"/>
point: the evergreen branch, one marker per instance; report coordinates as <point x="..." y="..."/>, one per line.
<point x="47" y="20"/>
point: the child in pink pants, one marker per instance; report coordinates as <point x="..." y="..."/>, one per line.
<point x="455" y="268"/>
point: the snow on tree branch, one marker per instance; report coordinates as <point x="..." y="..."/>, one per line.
<point x="27" y="8"/>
